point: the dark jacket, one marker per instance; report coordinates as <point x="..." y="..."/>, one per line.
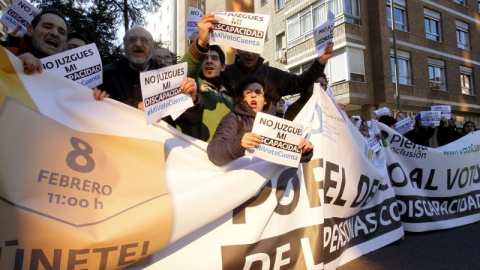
<point x="226" y="144"/>
<point x="420" y="134"/>
<point x="446" y="134"/>
<point x="283" y="82"/>
<point x="122" y="83"/>
<point x="25" y="46"/>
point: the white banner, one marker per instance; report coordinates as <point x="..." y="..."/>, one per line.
<point x="82" y="65"/>
<point x="244" y="31"/>
<point x="436" y="188"/>
<point x="194" y="15"/>
<point x="445" y="110"/>
<point x="161" y="92"/>
<point x="428" y="117"/>
<point x="20" y="12"/>
<point x="405" y="125"/>
<point x="150" y="190"/>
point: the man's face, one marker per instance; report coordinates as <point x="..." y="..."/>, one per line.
<point x="73" y="43"/>
<point x="49" y="35"/>
<point x="212" y="66"/>
<point x="248" y="59"/>
<point x="163" y="56"/>
<point x="138" y="47"/>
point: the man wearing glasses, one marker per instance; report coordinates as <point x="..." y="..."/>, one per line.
<point x="163" y="57"/>
<point x="121" y="80"/>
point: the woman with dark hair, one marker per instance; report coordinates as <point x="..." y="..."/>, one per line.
<point x="468" y="127"/>
<point x="234" y="133"/>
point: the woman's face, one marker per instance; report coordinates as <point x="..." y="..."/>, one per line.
<point x="469" y="127"/>
<point x="254" y="96"/>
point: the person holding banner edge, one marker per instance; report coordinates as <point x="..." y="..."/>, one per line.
<point x="233" y="135"/>
<point x="46" y="36"/>
<point x="121" y="80"/>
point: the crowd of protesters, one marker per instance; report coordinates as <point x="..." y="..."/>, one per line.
<point x="226" y="97"/>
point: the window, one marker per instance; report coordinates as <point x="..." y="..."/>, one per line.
<point x="404" y="67"/>
<point x="463" y="41"/>
<point x="280" y="4"/>
<point x="352" y="12"/>
<point x="466" y="80"/>
<point x="478" y="6"/>
<point x="432" y="25"/>
<point x="263" y="2"/>
<point x="281" y="41"/>
<point x="461" y="2"/>
<point x="436" y="73"/>
<point x="347" y="64"/>
<point x="400" y="14"/>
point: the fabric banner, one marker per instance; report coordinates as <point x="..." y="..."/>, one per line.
<point x="436" y="188"/>
<point x="87" y="184"/>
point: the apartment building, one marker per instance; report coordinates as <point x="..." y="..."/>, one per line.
<point x="438" y="64"/>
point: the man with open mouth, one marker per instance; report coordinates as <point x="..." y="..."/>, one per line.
<point x="46" y="36"/>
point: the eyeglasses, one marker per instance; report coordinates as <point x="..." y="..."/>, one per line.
<point x="133" y="40"/>
<point x="258" y="92"/>
<point x="166" y="58"/>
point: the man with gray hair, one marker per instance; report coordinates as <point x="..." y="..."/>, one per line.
<point x="121" y="80"/>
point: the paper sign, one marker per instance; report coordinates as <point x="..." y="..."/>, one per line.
<point x="21" y="13"/>
<point x="323" y="34"/>
<point x="82" y="65"/>
<point x="373" y="143"/>
<point x="194" y="15"/>
<point x="403" y="126"/>
<point x="445" y="110"/>
<point x="280" y="140"/>
<point x="382" y="111"/>
<point x="429" y="117"/>
<point x="161" y="92"/>
<point x="244" y="31"/>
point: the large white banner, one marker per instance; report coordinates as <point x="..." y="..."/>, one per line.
<point x="87" y="184"/>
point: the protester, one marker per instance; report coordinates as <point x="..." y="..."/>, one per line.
<point x="164" y="57"/>
<point x="46" y="36"/>
<point x="468" y="127"/>
<point x="420" y="134"/>
<point x="447" y="131"/>
<point x="388" y="120"/>
<point x="121" y="80"/>
<point x="281" y="82"/>
<point x="234" y="134"/>
<point x="296" y="106"/>
<point x="75" y="40"/>
<point x="280" y="108"/>
<point x="205" y="63"/>
<point x="364" y="128"/>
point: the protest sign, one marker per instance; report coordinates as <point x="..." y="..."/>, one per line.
<point x="429" y="117"/>
<point x="280" y="140"/>
<point x="382" y="111"/>
<point x="161" y="92"/>
<point x="82" y="65"/>
<point x="194" y="15"/>
<point x="20" y="13"/>
<point x="244" y="31"/>
<point x="372" y="143"/>
<point x="405" y="125"/>
<point x="445" y="110"/>
<point x="323" y="34"/>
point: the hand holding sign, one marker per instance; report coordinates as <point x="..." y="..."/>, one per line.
<point x="251" y="140"/>
<point x="205" y="27"/>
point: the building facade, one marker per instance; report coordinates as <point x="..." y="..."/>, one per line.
<point x="437" y="64"/>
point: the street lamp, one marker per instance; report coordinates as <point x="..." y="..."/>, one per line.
<point x="395" y="58"/>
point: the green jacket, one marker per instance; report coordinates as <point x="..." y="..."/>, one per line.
<point x="217" y="101"/>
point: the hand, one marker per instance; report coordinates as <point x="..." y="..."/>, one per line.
<point x="189" y="86"/>
<point x="31" y="64"/>
<point x="251" y="140"/>
<point x="327" y="54"/>
<point x="140" y="106"/>
<point x="305" y="146"/>
<point x="205" y="27"/>
<point x="16" y="32"/>
<point x="99" y="94"/>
